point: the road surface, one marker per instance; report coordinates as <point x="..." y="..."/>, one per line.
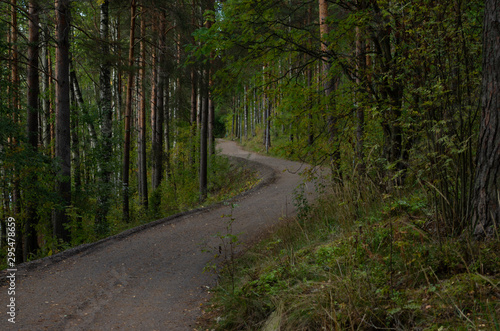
<point x="149" y="278"/>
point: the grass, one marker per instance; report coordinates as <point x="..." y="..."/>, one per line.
<point x="359" y="260"/>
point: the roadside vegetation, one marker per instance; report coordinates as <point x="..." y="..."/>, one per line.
<point x="226" y="179"/>
<point x="359" y="259"/>
<point x="398" y="101"/>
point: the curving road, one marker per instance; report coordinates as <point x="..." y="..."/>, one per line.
<point x="148" y="278"/>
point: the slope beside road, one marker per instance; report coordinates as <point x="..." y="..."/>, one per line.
<point x="149" y="278"/>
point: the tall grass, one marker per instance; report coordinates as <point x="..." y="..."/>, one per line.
<point x="361" y="260"/>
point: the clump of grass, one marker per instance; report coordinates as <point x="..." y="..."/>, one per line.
<point x="359" y="260"/>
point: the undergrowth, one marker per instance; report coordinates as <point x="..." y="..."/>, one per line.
<point x="359" y="260"/>
<point x="180" y="193"/>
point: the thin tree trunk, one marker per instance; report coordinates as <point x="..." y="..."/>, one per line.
<point x="63" y="137"/>
<point x="360" y="113"/>
<point x="245" y="101"/>
<point x="75" y="145"/>
<point x="128" y="112"/>
<point x="254" y="111"/>
<point x="204" y="140"/>
<point x="81" y="104"/>
<point x="268" y="124"/>
<point x="166" y="116"/>
<point x="45" y="89"/>
<point x="52" y="110"/>
<point x="194" y="109"/>
<point x="143" y="179"/>
<point x="157" y="143"/>
<point x="211" y="116"/>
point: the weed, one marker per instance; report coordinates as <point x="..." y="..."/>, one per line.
<point x="228" y="243"/>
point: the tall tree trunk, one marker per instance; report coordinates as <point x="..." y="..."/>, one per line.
<point x="106" y="148"/>
<point x="143" y="179"/>
<point x="360" y="113"/>
<point x="157" y="143"/>
<point x="204" y="139"/>
<point x="194" y="110"/>
<point x="166" y="118"/>
<point x="52" y="127"/>
<point x="328" y="87"/>
<point x="211" y="70"/>
<point x="63" y="137"/>
<point x="245" y="104"/>
<point x="266" y="111"/>
<point x="30" y="238"/>
<point x="81" y="104"/>
<point x="486" y="204"/>
<point x="211" y="115"/>
<point x="45" y="88"/>
<point x="268" y="124"/>
<point x="128" y="112"/>
<point x="254" y="111"/>
<point x="75" y="144"/>
<point x="15" y="106"/>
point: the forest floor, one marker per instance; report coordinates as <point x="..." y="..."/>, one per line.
<point x="152" y="277"/>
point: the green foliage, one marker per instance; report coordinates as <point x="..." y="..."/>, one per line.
<point x="382" y="269"/>
<point x="228" y="244"/>
<point x="416" y="82"/>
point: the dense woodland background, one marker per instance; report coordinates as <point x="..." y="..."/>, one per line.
<point x="109" y="112"/>
<point x="109" y="109"/>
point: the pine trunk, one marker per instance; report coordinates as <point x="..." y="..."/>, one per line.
<point x="328" y="88"/>
<point x="30" y="238"/>
<point x="106" y="148"/>
<point x="157" y="123"/>
<point x="62" y="127"/>
<point x="486" y="205"/>
<point x="128" y="114"/>
<point x="204" y="140"/>
<point x="143" y="179"/>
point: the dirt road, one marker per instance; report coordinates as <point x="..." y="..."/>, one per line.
<point x="149" y="278"/>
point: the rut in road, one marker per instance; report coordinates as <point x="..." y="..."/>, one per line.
<point x="149" y="278"/>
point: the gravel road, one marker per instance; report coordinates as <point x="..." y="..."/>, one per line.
<point x="151" y="277"/>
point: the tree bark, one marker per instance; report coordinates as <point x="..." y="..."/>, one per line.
<point x="211" y="104"/>
<point x="101" y="226"/>
<point x="63" y="137"/>
<point x="128" y="112"/>
<point x="245" y="104"/>
<point x="486" y="204"/>
<point x="360" y="113"/>
<point x="328" y="87"/>
<point x="166" y="118"/>
<point x="211" y="113"/>
<point x="46" y="104"/>
<point x="204" y="140"/>
<point x="193" y="117"/>
<point x="157" y="143"/>
<point x="15" y="105"/>
<point x="30" y="238"/>
<point x="143" y="179"/>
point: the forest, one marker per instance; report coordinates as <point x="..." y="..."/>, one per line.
<point x="109" y="112"/>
